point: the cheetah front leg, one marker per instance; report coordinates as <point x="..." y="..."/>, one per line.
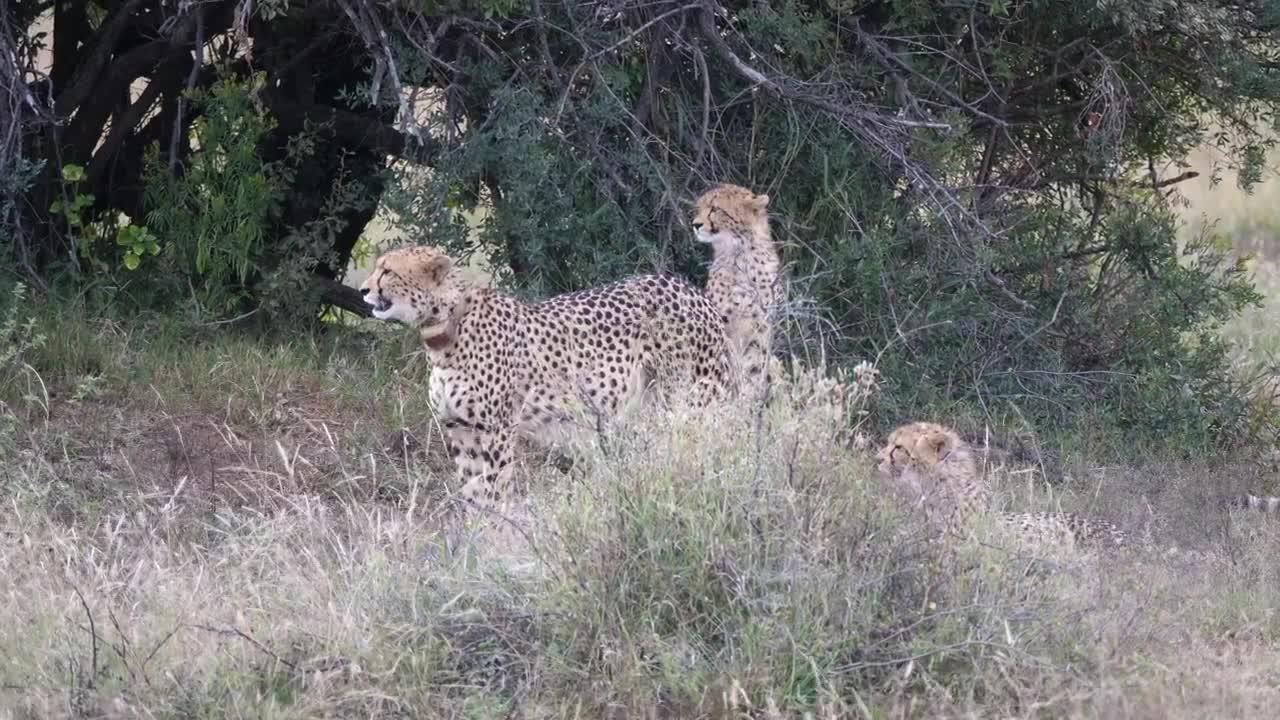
<point x="750" y="348"/>
<point x="484" y="457"/>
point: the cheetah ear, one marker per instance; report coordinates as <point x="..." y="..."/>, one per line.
<point x="439" y="267"/>
<point x="760" y="201"/>
<point x="435" y="268"/>
<point x="936" y="441"/>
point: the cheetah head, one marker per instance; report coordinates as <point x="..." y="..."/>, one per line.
<point x="411" y="286"/>
<point x="727" y="215"/>
<point x="920" y="445"/>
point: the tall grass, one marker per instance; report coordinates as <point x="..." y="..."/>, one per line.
<point x="220" y="528"/>
<point x="197" y="523"/>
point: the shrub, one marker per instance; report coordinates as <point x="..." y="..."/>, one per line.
<point x="994" y="223"/>
<point x="19" y="381"/>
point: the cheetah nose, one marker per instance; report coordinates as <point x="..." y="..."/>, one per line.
<point x="364" y="291"/>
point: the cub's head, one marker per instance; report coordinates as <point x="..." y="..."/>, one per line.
<point x="919" y="446"/>
<point x="728" y="215"/>
<point x="411" y="285"/>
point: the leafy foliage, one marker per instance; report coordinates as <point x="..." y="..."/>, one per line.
<point x="977" y="193"/>
<point x="137" y="241"/>
<point x="19" y="382"/>
<point x="215" y="214"/>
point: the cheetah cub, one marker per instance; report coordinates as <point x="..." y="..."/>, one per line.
<point x="932" y="467"/>
<point x="744" y="281"/>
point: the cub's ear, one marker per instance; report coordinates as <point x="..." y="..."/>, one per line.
<point x="760" y="201"/>
<point x="936" y="441"/>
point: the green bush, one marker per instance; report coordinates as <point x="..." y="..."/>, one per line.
<point x="213" y="217"/>
<point x="976" y="193"/>
<point x="20" y="383"/>
<point x="973" y="192"/>
<point x="218" y="221"/>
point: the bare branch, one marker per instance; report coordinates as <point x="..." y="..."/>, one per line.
<point x="86" y="79"/>
<point x="124" y="123"/>
<point x="352" y="128"/>
<point x="230" y="631"/>
<point x="374" y="35"/>
<point x="93" y="637"/>
<point x="339" y="295"/>
<point x="888" y="57"/>
<point x="198" y="43"/>
<point x="888" y="135"/>
<point x="785" y="90"/>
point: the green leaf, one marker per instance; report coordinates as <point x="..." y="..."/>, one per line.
<point x="132" y="261"/>
<point x="73" y="173"/>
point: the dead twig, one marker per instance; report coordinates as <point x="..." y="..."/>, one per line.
<point x="230" y="631"/>
<point x="175" y="140"/>
<point x="93" y="637"/>
<point x="142" y="669"/>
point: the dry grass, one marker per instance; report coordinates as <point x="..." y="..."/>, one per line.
<point x="223" y="526"/>
<point x="203" y="525"/>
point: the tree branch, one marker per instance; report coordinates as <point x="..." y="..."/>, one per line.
<point x="198" y="44"/>
<point x="124" y="123"/>
<point x="69" y="30"/>
<point x="888" y="57"/>
<point x="93" y="108"/>
<point x="339" y="295"/>
<point x="708" y="26"/>
<point x="85" y="81"/>
<point x="352" y="128"/>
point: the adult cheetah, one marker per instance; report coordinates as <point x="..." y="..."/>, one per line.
<point x="744" y="281"/>
<point x="504" y="371"/>
<point x="937" y="469"/>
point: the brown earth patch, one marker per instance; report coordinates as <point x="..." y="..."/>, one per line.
<point x="306" y="443"/>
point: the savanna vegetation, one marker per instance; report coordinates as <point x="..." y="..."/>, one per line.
<point x="1046" y="223"/>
